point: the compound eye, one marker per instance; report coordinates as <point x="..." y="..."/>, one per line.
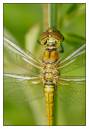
<point x="43" y="42"/>
<point x="43" y="38"/>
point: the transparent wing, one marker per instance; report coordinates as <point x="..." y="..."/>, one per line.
<point x="72" y="75"/>
<point x="21" y="73"/>
<point x="72" y="57"/>
<point x="70" y="99"/>
<point x="13" y="81"/>
<point x="17" y="61"/>
<point x="22" y="77"/>
<point x="22" y="96"/>
<point x="74" y="65"/>
<point x="72" y="79"/>
<point x="71" y="89"/>
<point x="20" y="68"/>
<point x="75" y="86"/>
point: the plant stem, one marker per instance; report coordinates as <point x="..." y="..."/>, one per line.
<point x="52" y="15"/>
<point x="49" y="16"/>
<point x="45" y="17"/>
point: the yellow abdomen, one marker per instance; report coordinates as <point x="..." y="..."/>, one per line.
<point x="49" y="97"/>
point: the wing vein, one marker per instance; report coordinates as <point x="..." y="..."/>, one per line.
<point x="20" y="52"/>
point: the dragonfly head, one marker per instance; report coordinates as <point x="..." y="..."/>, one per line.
<point x="51" y="37"/>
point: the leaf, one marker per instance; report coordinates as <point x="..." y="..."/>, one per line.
<point x="31" y="38"/>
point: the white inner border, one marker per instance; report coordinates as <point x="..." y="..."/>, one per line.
<point x="1" y="61"/>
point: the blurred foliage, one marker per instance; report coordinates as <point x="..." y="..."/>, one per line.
<point x="23" y="105"/>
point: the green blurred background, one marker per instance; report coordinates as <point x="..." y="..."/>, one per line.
<point x="25" y="24"/>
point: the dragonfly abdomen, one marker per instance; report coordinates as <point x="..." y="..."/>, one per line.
<point x="49" y="79"/>
<point x="49" y="97"/>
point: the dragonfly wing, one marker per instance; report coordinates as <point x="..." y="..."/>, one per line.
<point x="75" y="67"/>
<point x="74" y="84"/>
<point x="23" y="78"/>
<point x="17" y="61"/>
<point x="71" y="79"/>
<point x="70" y="97"/>
<point x="12" y="83"/>
<point x="21" y="96"/>
<point x="72" y="57"/>
<point x="71" y="90"/>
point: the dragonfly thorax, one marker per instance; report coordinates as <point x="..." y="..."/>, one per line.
<point x="50" y="74"/>
<point x="50" y="57"/>
<point x="50" y="54"/>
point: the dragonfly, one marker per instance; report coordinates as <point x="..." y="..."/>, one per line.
<point x="47" y="71"/>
